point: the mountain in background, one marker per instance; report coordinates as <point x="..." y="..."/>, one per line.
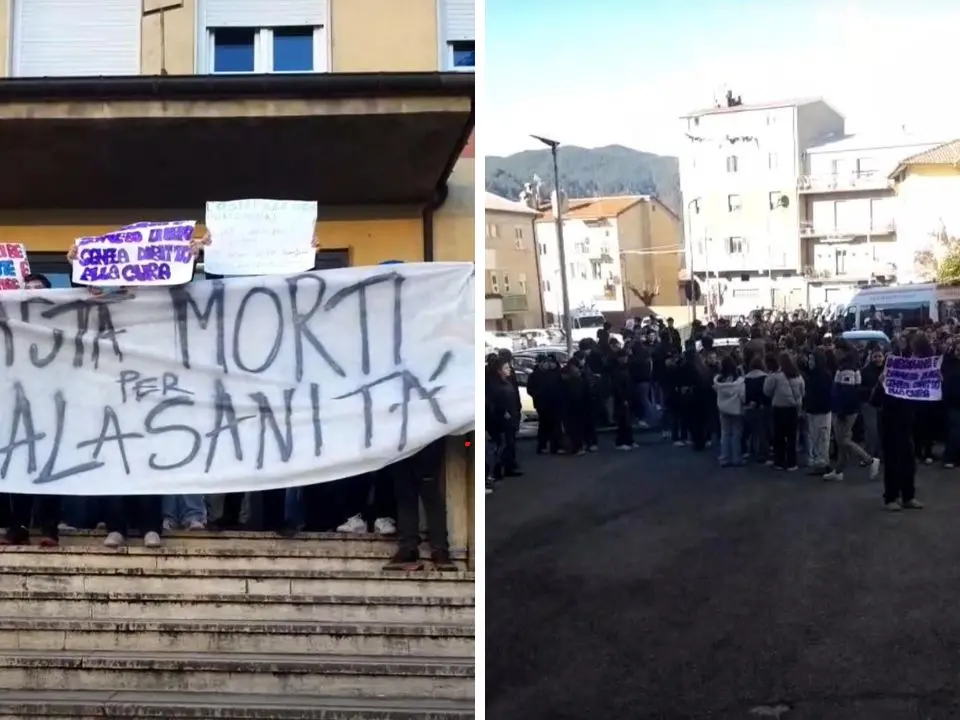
<point x="589" y="172"/>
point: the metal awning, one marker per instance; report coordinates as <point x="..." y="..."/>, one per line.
<point x="179" y="141"/>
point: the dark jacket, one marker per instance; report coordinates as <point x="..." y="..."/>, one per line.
<point x="950" y="369"/>
<point x="546" y="390"/>
<point x="753" y="381"/>
<point x="819" y="391"/>
<point x="846" y="388"/>
<point x="501" y="412"/>
<point x="641" y="366"/>
<point x="869" y="377"/>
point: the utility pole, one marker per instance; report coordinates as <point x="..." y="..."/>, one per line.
<point x="693" y="279"/>
<point x="558" y="219"/>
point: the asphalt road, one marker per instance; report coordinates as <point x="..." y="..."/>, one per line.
<point x="653" y="584"/>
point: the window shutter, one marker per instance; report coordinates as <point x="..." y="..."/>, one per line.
<point x="65" y="38"/>
<point x="262" y="13"/>
<point x="459" y="20"/>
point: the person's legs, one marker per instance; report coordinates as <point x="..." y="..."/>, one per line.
<point x="726" y="439"/>
<point x="407" y="493"/>
<point x="170" y="507"/>
<point x="642" y="407"/>
<point x="871" y="429"/>
<point x="853" y="449"/>
<point x="951" y="454"/>
<point x="735" y="425"/>
<point x="193" y="511"/>
<point x="842" y="427"/>
<point x="510" y="467"/>
<point x="352" y="495"/>
<point x="47" y="518"/>
<point x="780" y="437"/>
<point x="21" y="514"/>
<point x="790" y="419"/>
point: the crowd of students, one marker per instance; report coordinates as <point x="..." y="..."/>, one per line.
<point x="778" y="391"/>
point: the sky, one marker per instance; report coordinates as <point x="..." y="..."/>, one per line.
<point x="605" y="72"/>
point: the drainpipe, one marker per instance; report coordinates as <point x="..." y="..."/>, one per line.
<point x="427" y="216"/>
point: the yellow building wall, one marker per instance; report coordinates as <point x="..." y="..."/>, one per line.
<point x="454" y="227"/>
<point x="926" y="203"/>
<point x="666" y="231"/>
<point x="365" y="36"/>
<point x="370" y="242"/>
<point x="384" y="36"/>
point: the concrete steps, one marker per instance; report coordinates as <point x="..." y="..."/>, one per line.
<point x="99" y="704"/>
<point x="224" y="625"/>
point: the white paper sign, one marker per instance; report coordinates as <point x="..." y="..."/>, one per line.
<point x="260" y="237"/>
<point x="146" y="253"/>
<point x="233" y="385"/>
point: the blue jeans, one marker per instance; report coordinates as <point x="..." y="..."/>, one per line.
<point x="731" y="437"/>
<point x="184" y="509"/>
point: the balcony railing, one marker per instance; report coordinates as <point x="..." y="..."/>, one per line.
<point x="809" y="229"/>
<point x="515" y="303"/>
<point x="844" y="182"/>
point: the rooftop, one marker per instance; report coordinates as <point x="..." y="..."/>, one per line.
<point x="874" y="141"/>
<point x="944" y="154"/>
<point x="748" y="107"/>
<point x="599" y="208"/>
<point x="501" y="204"/>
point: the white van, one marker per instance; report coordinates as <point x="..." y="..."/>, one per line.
<point x="910" y="304"/>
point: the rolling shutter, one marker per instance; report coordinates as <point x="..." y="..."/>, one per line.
<point x="459" y="20"/>
<point x="262" y="13"/>
<point x="64" y="38"/>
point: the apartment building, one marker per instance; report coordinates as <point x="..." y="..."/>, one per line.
<point x="849" y="213"/>
<point x="927" y="185"/>
<point x="738" y="174"/>
<point x="620" y="252"/>
<point x="116" y="111"/>
<point x="512" y="269"/>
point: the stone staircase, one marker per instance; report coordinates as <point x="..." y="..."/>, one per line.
<point x="230" y="626"/>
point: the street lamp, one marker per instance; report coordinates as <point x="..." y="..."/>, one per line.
<point x="557" y="217"/>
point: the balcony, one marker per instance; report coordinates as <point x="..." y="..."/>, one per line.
<point x="841" y="234"/>
<point x="843" y="182"/>
<point x="515" y="304"/>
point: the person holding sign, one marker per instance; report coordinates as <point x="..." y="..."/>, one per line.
<point x="899" y="394"/>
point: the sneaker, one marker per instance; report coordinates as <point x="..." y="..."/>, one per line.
<point x="948" y="466"/>
<point x="49" y="542"/>
<point x="580" y="453"/>
<point x="355" y="525"/>
<point x="65" y="527"/>
<point x="624" y="447"/>
<point x="894" y="506"/>
<point x="874" y="468"/>
<point x="152" y="540"/>
<point x="196" y="525"/>
<point x="833" y="476"/>
<point x="169" y="524"/>
<point x="405" y="561"/>
<point x="679" y="443"/>
<point x="928" y="461"/>
<point x="489" y="489"/>
<point x="768" y="463"/>
<point x="384" y="526"/>
<point x="442" y="561"/>
<point x="792" y="468"/>
<point x="114" y="540"/>
<point x="101" y="526"/>
<point x="913" y="505"/>
<point x="643" y="425"/>
<point x="593" y="448"/>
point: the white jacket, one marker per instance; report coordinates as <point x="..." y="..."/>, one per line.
<point x="731" y="395"/>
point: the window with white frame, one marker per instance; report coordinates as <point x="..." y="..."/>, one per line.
<point x="492" y="230"/>
<point x="458" y="35"/>
<point x="546" y="286"/>
<point x="518" y="232"/>
<point x="267" y="50"/>
<point x="461" y="56"/>
<point x="494" y="283"/>
<point x="734" y="203"/>
<point x="263" y="36"/>
<point x="522" y="281"/>
<point x="506" y="283"/>
<point x="543" y="248"/>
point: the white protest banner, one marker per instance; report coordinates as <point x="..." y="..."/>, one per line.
<point x="260" y="237"/>
<point x="142" y="254"/>
<point x="14" y="266"/>
<point x="233" y="385"/>
<point x="913" y="378"/>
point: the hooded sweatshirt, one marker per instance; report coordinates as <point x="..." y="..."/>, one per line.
<point x="784" y="392"/>
<point x="846" y="388"/>
<point x="731" y="394"/>
<point x="754" y="385"/>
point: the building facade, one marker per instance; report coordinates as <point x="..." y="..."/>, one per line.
<point x="121" y="111"/>
<point x="618" y="251"/>
<point x="739" y="178"/>
<point x="848" y="226"/>
<point x="927" y="186"/>
<point x="512" y="269"/>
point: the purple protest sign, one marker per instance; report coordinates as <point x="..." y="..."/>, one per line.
<point x="142" y="254"/>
